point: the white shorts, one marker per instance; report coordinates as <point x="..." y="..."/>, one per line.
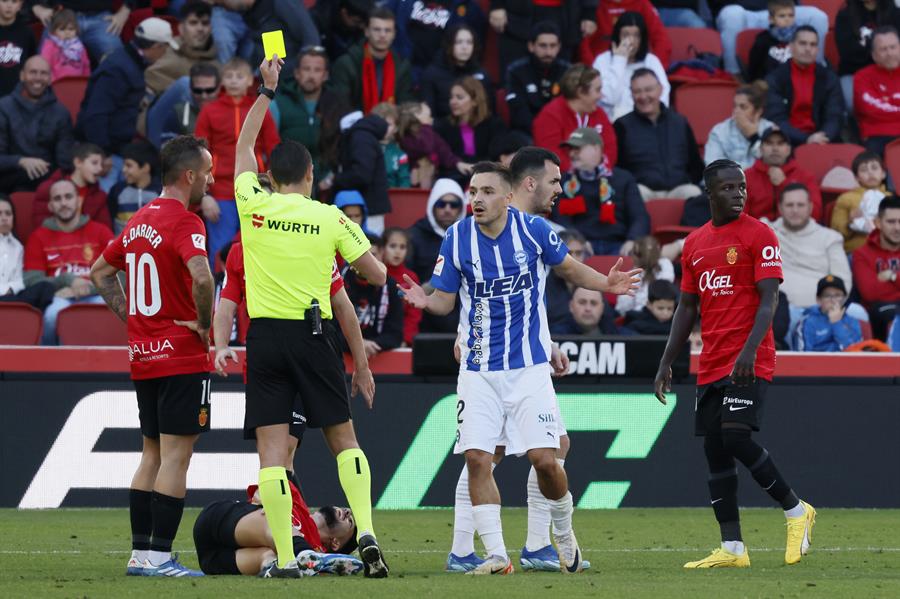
<point x="511" y="435"/>
<point x="516" y="408"/>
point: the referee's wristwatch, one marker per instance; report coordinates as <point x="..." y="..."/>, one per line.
<point x="265" y="91"/>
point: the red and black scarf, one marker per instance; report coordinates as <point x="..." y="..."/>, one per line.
<point x="370" y="80"/>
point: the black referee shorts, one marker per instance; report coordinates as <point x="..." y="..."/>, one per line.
<point x="214" y="535"/>
<point x="174" y="405"/>
<point x="722" y="402"/>
<point x="284" y="361"/>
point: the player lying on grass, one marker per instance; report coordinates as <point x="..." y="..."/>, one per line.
<point x="233" y="537"/>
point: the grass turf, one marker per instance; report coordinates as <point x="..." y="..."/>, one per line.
<point x="634" y="553"/>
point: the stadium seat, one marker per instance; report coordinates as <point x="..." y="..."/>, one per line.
<point x="818" y="159"/>
<point x="491" y="62"/>
<point x="602" y="264"/>
<point x="90" y="324"/>
<point x="23" y="202"/>
<point x="892" y="160"/>
<point x="866" y="329"/>
<point x="704" y="104"/>
<point x="827" y="210"/>
<point x="832" y="55"/>
<point x="502" y="106"/>
<point x="829" y="7"/>
<point x="70" y="92"/>
<point x="22" y="324"/>
<point x="665" y="219"/>
<point x="745" y="41"/>
<point x="407" y="206"/>
<point x="688" y="41"/>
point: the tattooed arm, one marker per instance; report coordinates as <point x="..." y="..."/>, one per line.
<point x="203" y="290"/>
<point x="103" y="275"/>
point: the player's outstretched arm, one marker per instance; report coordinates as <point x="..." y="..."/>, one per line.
<point x="103" y="274"/>
<point x="682" y="324"/>
<point x="372" y="269"/>
<point x="744" y="367"/>
<point x="439" y="302"/>
<point x="245" y="157"/>
<point x="223" y="320"/>
<point x="362" y="380"/>
<point x="582" y="275"/>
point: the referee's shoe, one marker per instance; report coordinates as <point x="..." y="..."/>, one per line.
<point x="373" y="559"/>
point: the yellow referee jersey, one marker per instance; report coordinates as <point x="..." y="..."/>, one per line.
<point x="289" y="245"/>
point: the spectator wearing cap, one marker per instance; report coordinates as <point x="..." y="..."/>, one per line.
<point x="117" y="90"/>
<point x="35" y="130"/>
<point x="457" y="58"/>
<point x="99" y="28"/>
<point x="876" y="267"/>
<point x="656" y="144"/>
<point x="876" y="90"/>
<point x="805" y="99"/>
<point x="533" y="80"/>
<point x="603" y="204"/>
<point x="195" y="45"/>
<point x="205" y="82"/>
<point x="826" y="326"/>
<point x="774" y="170"/>
<point x="341" y="24"/>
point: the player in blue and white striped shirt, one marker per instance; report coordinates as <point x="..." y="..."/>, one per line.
<point x="496" y="260"/>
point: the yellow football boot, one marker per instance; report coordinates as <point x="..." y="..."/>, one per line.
<point x="799" y="535"/>
<point x="722" y="558"/>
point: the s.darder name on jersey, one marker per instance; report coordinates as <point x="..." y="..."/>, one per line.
<point x="502" y="286"/>
<point x="142" y="232"/>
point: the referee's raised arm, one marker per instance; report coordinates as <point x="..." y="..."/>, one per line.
<point x="245" y="156"/>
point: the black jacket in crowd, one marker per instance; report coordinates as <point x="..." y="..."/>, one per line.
<point x="828" y="103"/>
<point x="16" y="46"/>
<point x="529" y="86"/>
<point x="643" y="322"/>
<point x="379" y="309"/>
<point x="335" y="36"/>
<point x="766" y="55"/>
<point x="439" y="77"/>
<point x="854" y="40"/>
<point x="660" y="155"/>
<point x="485" y="131"/>
<point x="425" y="245"/>
<point x="362" y="163"/>
<point x="40" y="129"/>
<point x="287" y="15"/>
<point x="520" y="18"/>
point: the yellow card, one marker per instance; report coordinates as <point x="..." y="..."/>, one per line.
<point x="273" y="43"/>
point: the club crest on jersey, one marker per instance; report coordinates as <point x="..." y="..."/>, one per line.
<point x="502" y="286"/>
<point x="88" y="253"/>
<point x="258" y="220"/>
<point x="520" y="257"/>
<point x="732" y="255"/>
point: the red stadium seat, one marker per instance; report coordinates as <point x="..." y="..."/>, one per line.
<point x="23" y="202"/>
<point x="90" y="324"/>
<point x="892" y="160"/>
<point x="827" y="210"/>
<point x="704" y="104"/>
<point x="664" y="212"/>
<point x="865" y="329"/>
<point x="491" y="61"/>
<point x="22" y="324"/>
<point x="502" y="106"/>
<point x="70" y="92"/>
<point x="829" y="7"/>
<point x="745" y="41"/>
<point x="687" y="41"/>
<point x="407" y="206"/>
<point x="819" y="159"/>
<point x="602" y="264"/>
<point x="832" y="55"/>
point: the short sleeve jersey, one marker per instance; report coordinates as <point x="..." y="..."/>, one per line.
<point x="301" y="519"/>
<point x="722" y="265"/>
<point x="153" y="250"/>
<point x="289" y="246"/>
<point x="501" y="283"/>
<point x="57" y="253"/>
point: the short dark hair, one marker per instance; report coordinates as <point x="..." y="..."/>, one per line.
<point x="888" y="203"/>
<point x="84" y="149"/>
<point x="642" y="72"/>
<point x="380" y="12"/>
<point x="194" y="7"/>
<point x="774" y="5"/>
<point x="178" y="155"/>
<point x="543" y="28"/>
<point x="794" y="187"/>
<point x="885" y="30"/>
<point x="864" y="157"/>
<point x="486" y="166"/>
<point x="508" y="142"/>
<point x="569" y="235"/>
<point x="376" y="240"/>
<point x="389" y="231"/>
<point x="529" y="161"/>
<point x="289" y="162"/>
<point x="205" y="69"/>
<point x="712" y="170"/>
<point x="315" y="51"/>
<point x="5" y="198"/>
<point x="801" y="28"/>
<point x="660" y="289"/>
<point x="142" y="153"/>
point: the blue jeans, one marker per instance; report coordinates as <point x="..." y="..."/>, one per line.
<point x="49" y="336"/>
<point x="219" y="234"/>
<point x="92" y="31"/>
<point x="847" y="90"/>
<point x="680" y="17"/>
<point x="179" y="91"/>
<point x="231" y="34"/>
<point x="734" y="18"/>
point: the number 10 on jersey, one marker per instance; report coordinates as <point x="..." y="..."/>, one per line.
<point x="143" y="276"/>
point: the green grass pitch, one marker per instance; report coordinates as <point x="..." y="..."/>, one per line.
<point x="634" y="553"/>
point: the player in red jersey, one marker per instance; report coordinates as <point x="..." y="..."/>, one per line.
<point x="168" y="308"/>
<point x="731" y="272"/>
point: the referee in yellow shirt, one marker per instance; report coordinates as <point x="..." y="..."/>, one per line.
<point x="289" y="246"/>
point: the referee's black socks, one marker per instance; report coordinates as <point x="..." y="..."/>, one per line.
<point x="167" y="513"/>
<point x="739" y="443"/>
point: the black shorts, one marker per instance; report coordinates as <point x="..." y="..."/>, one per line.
<point x="174" y="405"/>
<point x="722" y="402"/>
<point x="284" y="361"/>
<point x="214" y="535"/>
<point x="298" y="423"/>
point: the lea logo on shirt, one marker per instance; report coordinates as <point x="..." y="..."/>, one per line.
<point x="502" y="286"/>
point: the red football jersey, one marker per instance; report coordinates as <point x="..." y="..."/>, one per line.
<point x="57" y="253"/>
<point x="153" y="250"/>
<point x="722" y="266"/>
<point x="301" y="519"/>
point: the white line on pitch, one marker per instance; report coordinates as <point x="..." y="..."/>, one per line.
<point x="389" y="551"/>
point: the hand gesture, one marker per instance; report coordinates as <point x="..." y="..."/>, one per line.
<point x="210" y="208"/>
<point x="35" y="168"/>
<point x="662" y="384"/>
<point x="269" y="70"/>
<point x="776" y="175"/>
<point x="414" y="294"/>
<point x="623" y="283"/>
<point x="747" y="126"/>
<point x="559" y="361"/>
<point x="744" y="371"/>
<point x="221" y="361"/>
<point x="194" y="325"/>
<point x="372" y="348"/>
<point x="363" y="382"/>
<point x="43" y="14"/>
<point x="81" y="287"/>
<point x="117" y="21"/>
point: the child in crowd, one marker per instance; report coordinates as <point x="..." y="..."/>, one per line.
<point x="396" y="247"/>
<point x="85" y="172"/>
<point x="647" y="255"/>
<point x="17" y="42"/>
<point x="772" y="46"/>
<point x="220" y="123"/>
<point x="140" y="184"/>
<point x="656" y="317"/>
<point x="353" y="204"/>
<point x="429" y="155"/>
<point x="827" y="326"/>
<point x="855" y="211"/>
<point x="396" y="161"/>
<point x="62" y="48"/>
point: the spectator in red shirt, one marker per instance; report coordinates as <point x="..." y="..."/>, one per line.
<point x="876" y="267"/>
<point x="771" y="173"/>
<point x="62" y="251"/>
<point x="805" y="98"/>
<point x="575" y="107"/>
<point x="87" y="166"/>
<point x="396" y="244"/>
<point x="876" y="91"/>
<point x="607" y="14"/>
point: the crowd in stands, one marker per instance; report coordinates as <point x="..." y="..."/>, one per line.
<point x="397" y="94"/>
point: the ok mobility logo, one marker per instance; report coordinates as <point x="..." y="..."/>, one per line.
<point x="637" y="417"/>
